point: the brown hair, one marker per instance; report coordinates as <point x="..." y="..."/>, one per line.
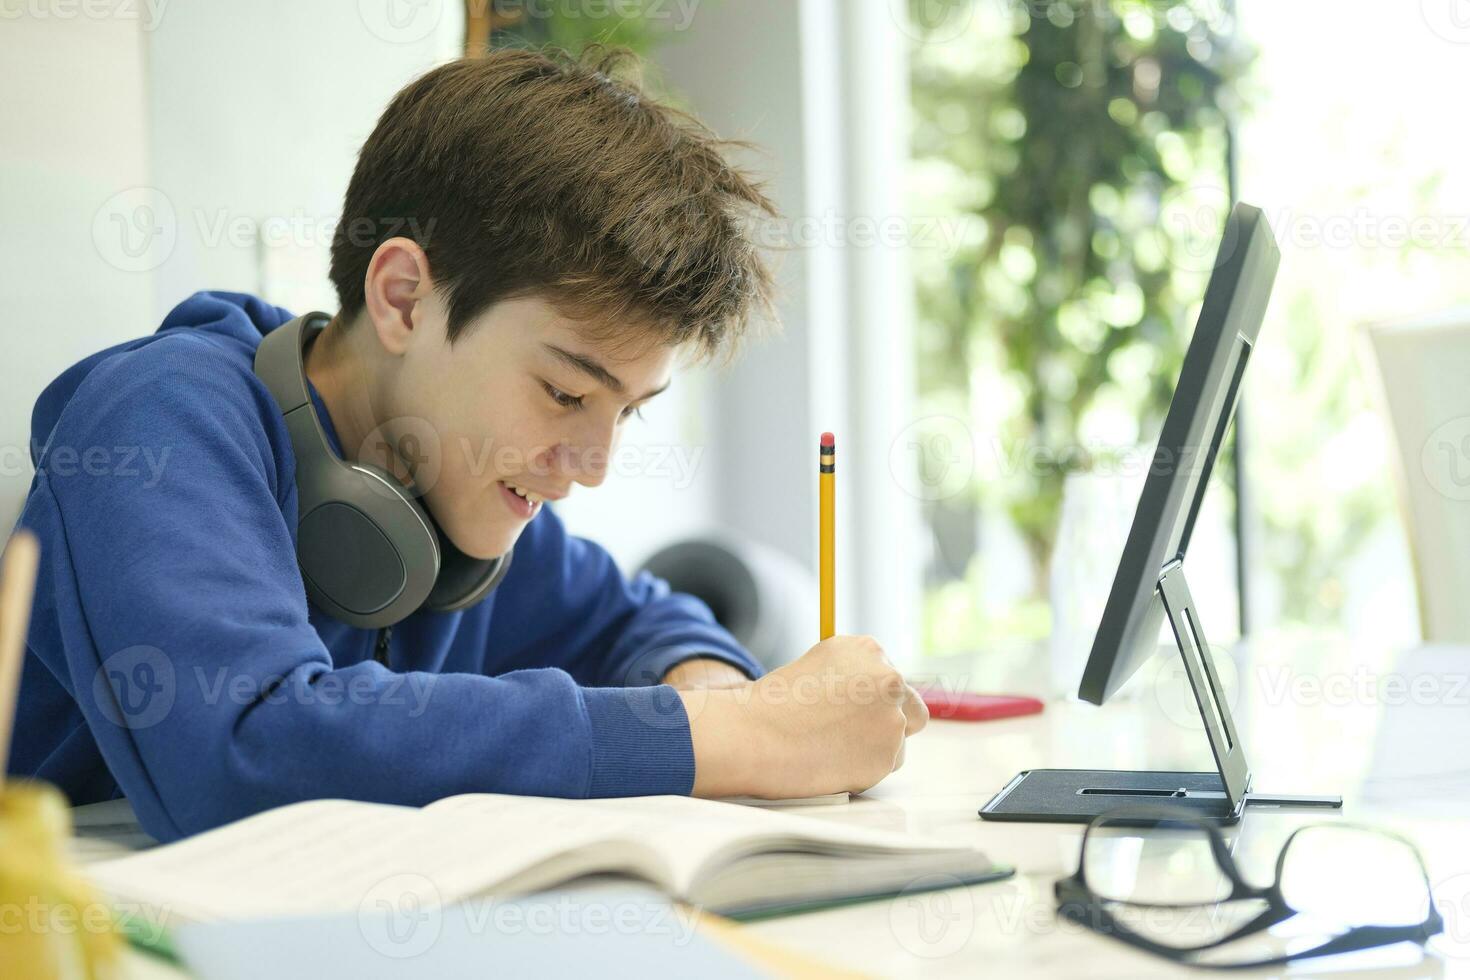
<point x="521" y="173"/>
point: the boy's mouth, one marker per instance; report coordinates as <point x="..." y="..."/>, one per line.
<point x="523" y="503"/>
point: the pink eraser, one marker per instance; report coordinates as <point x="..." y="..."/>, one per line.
<point x="828" y="439"/>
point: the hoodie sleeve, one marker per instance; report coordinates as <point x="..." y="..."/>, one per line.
<point x="565" y="602"/>
<point x="175" y="616"/>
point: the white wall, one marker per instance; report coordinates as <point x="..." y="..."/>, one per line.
<point x="258" y="111"/>
<point x="72" y="135"/>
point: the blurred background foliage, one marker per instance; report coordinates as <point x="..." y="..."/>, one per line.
<point x="1086" y="143"/>
<point x="515" y="23"/>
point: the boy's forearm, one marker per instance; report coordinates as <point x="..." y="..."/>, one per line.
<point x="722" y="727"/>
<point x="705" y="673"/>
<point x="729" y="753"/>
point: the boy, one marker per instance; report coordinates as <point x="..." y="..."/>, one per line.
<point x="525" y="248"/>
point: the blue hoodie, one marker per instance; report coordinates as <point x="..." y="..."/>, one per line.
<point x="173" y="657"/>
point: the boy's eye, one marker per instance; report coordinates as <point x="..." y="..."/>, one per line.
<point x="574" y="402"/>
<point x="562" y="398"/>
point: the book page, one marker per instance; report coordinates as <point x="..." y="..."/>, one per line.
<point x="689" y="834"/>
<point x="330" y="855"/>
<point x="335" y="855"/>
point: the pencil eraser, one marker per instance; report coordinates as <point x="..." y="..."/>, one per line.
<point x="828" y="439"/>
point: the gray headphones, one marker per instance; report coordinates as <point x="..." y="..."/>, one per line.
<point x="370" y="554"/>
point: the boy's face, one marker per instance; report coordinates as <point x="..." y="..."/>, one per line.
<point x="522" y="401"/>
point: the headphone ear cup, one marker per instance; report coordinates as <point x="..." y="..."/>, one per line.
<point x="463" y="581"/>
<point x="368" y="552"/>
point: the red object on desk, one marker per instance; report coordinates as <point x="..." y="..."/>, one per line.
<point x="966" y="706"/>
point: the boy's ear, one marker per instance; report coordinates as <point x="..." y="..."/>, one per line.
<point x="397" y="281"/>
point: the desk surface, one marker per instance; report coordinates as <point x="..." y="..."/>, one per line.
<point x="1316" y="721"/>
<point x="1391" y="740"/>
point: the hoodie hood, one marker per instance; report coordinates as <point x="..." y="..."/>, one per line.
<point x="233" y="321"/>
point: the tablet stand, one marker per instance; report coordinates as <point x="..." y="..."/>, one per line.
<point x="1079" y="795"/>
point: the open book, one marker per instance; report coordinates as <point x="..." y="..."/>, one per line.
<point x="330" y="855"/>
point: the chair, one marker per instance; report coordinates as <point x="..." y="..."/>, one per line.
<point x="763" y="596"/>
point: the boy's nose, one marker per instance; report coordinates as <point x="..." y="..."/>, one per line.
<point x="584" y="464"/>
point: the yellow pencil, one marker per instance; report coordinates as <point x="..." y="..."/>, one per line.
<point x="826" y="480"/>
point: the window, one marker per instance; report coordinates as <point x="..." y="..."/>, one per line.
<point x="1085" y="147"/>
<point x="1079" y="144"/>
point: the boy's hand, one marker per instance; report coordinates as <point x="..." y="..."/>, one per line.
<point x="704" y="673"/>
<point x="833" y="720"/>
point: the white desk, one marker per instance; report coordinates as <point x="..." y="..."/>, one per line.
<point x="1299" y="739"/>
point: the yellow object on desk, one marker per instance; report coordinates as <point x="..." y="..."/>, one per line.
<point x="54" y="925"/>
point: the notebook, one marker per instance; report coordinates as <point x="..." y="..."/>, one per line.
<point x="325" y="856"/>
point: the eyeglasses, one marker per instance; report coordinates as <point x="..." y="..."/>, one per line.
<point x="1165" y="881"/>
